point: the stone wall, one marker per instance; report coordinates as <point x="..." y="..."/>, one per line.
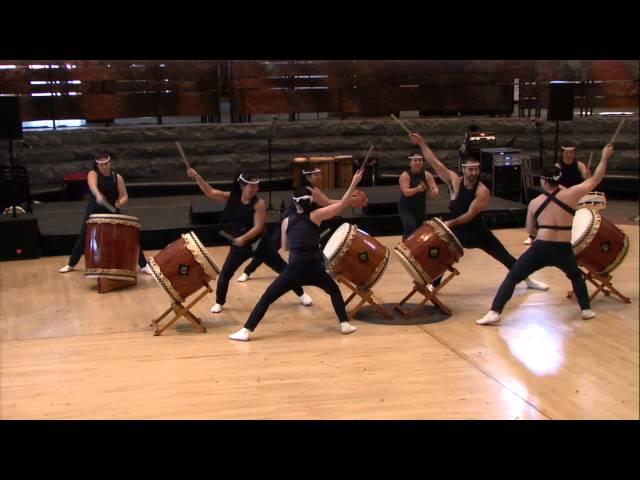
<point x="148" y="153"/>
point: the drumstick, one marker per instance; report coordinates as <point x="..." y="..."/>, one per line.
<point x="401" y="124"/>
<point x="364" y="163"/>
<point x="108" y="206"/>
<point x="613" y="139"/>
<point x="232" y="239"/>
<point x="589" y="164"/>
<point x="184" y="157"/>
<point x="325" y="233"/>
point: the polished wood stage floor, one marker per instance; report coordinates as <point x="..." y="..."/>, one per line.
<point x="68" y="352"/>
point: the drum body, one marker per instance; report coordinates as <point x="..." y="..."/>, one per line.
<point x="429" y="251"/>
<point x="593" y="201"/>
<point x="111" y="247"/>
<point x="183" y="267"/>
<point x="598" y="244"/>
<point x="357" y="256"/>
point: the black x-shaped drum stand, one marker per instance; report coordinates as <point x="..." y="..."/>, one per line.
<point x="602" y="284"/>
<point x="429" y="296"/>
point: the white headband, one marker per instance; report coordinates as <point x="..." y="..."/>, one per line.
<point x="309" y="172"/>
<point x="555" y="179"/>
<point x="103" y="161"/>
<point x="471" y="164"/>
<point x="415" y="156"/>
<point x="255" y="182"/>
<point x="303" y="197"/>
<point x="568" y="148"/>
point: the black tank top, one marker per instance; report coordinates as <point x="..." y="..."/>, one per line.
<point x="241" y="215"/>
<point x="570" y="174"/>
<point x="303" y="237"/>
<point x="107" y="186"/>
<point x="460" y="205"/>
<point x="416" y="202"/>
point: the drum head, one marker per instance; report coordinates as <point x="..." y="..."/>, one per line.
<point x="337" y="239"/>
<point x="582" y="224"/>
<point x="446" y="229"/>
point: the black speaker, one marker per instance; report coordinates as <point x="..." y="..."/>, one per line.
<point x="19" y="237"/>
<point x="10" y="120"/>
<point x="560" y="101"/>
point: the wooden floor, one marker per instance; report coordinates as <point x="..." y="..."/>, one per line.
<point x="67" y="352"/>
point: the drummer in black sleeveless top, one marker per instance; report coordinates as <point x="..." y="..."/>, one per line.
<point x="311" y="177"/>
<point x="105" y="185"/>
<point x="549" y="219"/>
<point x="415" y="184"/>
<point x="247" y="214"/>
<point x="301" y="235"/>
<point x="469" y="196"/>
<point x="572" y="171"/>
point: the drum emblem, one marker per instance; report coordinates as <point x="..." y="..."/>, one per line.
<point x="183" y="269"/>
<point x="434" y="252"/>
<point x="363" y="256"/>
<point x="605" y="246"/>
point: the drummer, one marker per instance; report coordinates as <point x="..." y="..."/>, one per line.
<point x="106" y="186"/>
<point x="469" y="196"/>
<point x="573" y="171"/>
<point x="311" y="178"/>
<point x="301" y="234"/>
<point x="247" y="213"/>
<point x="415" y="184"/>
<point x="549" y="219"/>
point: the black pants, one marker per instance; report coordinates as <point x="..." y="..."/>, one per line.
<point x="298" y="274"/>
<point x="78" y="247"/>
<point x="256" y="261"/>
<point x="543" y="254"/>
<point x="411" y="219"/>
<point x="238" y="255"/>
<point x="479" y="236"/>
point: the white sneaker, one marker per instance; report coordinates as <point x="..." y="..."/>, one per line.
<point x="146" y="269"/>
<point x="243" y="278"/>
<point x="66" y="268"/>
<point x="528" y="241"/>
<point x="217" y="308"/>
<point x="535" y="284"/>
<point x="346" y="328"/>
<point x="243" y="335"/>
<point x="305" y="299"/>
<point x="490" y="318"/>
<point x="430" y="287"/>
<point x="588" y="314"/>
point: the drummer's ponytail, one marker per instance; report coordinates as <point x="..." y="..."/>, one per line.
<point x="302" y="197"/>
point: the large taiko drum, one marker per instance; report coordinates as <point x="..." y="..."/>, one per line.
<point x="598" y="244"/>
<point x="429" y="251"/>
<point x="356" y="255"/>
<point x="111" y="248"/>
<point x="593" y="201"/>
<point x="183" y="267"/>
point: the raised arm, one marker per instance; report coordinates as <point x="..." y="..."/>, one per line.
<point x="330" y="211"/>
<point x="447" y="176"/>
<point x="591" y="183"/>
<point x="207" y="189"/>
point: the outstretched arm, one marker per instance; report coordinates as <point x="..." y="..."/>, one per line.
<point x="330" y="211"/>
<point x="207" y="189"/>
<point x="446" y="175"/>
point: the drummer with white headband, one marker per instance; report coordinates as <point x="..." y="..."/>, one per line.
<point x="247" y="214"/>
<point x="311" y="178"/>
<point x="469" y="197"/>
<point x="415" y="184"/>
<point x="108" y="194"/>
<point x="301" y="235"/>
<point x="549" y="220"/>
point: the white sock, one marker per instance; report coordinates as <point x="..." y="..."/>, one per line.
<point x="490" y="318"/>
<point x="217" y="308"/>
<point x="243" y="278"/>
<point x="536" y="284"/>
<point x="346" y="328"/>
<point x="305" y="299"/>
<point x="588" y="314"/>
<point x="66" y="268"/>
<point x="243" y="335"/>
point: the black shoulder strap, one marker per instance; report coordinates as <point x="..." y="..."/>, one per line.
<point x="551" y="197"/>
